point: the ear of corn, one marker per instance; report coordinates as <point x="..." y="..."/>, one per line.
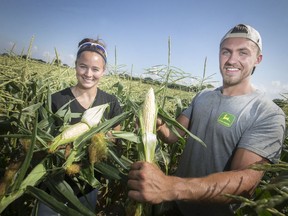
<point x="147" y="118"/>
<point x="147" y="146"/>
<point x="91" y="117"/>
<point x="80" y="144"/>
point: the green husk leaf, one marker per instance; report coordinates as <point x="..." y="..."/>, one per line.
<point x="108" y="171"/>
<point x="165" y="116"/>
<point x="33" y="178"/>
<point x="79" y="144"/>
<point x="53" y="203"/>
<point x="28" y="158"/>
<point x="130" y="136"/>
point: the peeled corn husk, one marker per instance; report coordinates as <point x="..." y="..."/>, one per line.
<point x="91" y="118"/>
<point x="148" y="117"/>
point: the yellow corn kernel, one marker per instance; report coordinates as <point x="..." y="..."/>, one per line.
<point x="70" y="134"/>
<point x="149" y="112"/>
<point x="148" y="117"/>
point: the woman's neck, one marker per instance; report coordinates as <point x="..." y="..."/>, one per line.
<point x="85" y="97"/>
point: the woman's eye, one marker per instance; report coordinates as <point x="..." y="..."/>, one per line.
<point x="225" y="52"/>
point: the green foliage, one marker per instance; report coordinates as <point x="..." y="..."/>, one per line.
<point x="27" y="128"/>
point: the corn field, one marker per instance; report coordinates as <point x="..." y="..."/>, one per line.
<point x="31" y="157"/>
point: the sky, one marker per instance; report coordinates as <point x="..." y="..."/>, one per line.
<point x="140" y="30"/>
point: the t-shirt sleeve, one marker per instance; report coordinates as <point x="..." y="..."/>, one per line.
<point x="115" y="108"/>
<point x="188" y="111"/>
<point x="265" y="137"/>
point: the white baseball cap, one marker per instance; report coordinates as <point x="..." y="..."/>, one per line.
<point x="244" y="31"/>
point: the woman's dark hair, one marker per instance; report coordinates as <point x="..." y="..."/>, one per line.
<point x="88" y="44"/>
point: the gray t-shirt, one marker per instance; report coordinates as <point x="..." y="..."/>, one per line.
<point x="226" y="123"/>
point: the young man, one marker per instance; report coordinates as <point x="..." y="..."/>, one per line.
<point x="240" y="127"/>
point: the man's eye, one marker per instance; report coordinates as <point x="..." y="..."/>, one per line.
<point x="243" y="53"/>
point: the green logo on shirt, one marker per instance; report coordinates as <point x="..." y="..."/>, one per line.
<point x="226" y="119"/>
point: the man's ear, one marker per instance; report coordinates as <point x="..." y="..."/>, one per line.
<point x="259" y="59"/>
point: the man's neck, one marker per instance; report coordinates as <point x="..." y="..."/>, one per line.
<point x="237" y="90"/>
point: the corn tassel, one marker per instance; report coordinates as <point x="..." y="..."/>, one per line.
<point x="91" y="117"/>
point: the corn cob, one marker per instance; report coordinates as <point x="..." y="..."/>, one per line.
<point x="148" y="117"/>
<point x="91" y="117"/>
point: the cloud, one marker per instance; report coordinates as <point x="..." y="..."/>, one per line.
<point x="71" y="59"/>
<point x="68" y="59"/>
<point x="274" y="89"/>
<point x="35" y="48"/>
<point x="47" y="56"/>
<point x="11" y="44"/>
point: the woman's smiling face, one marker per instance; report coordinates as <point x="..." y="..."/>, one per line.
<point x="90" y="67"/>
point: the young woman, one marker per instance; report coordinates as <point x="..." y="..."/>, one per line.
<point x="90" y="67"/>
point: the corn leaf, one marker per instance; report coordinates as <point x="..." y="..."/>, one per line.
<point x="87" y="175"/>
<point x="80" y="142"/>
<point x="171" y="121"/>
<point x="32" y="109"/>
<point x="130" y="136"/>
<point x="103" y="127"/>
<point x="28" y="158"/>
<point x="33" y="178"/>
<point x="53" y="203"/>
<point x="65" y="194"/>
<point x="118" y="160"/>
<point x="109" y="171"/>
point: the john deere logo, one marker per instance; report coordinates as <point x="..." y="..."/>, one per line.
<point x="226" y="119"/>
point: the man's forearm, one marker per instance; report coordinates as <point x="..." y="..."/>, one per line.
<point x="213" y="188"/>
